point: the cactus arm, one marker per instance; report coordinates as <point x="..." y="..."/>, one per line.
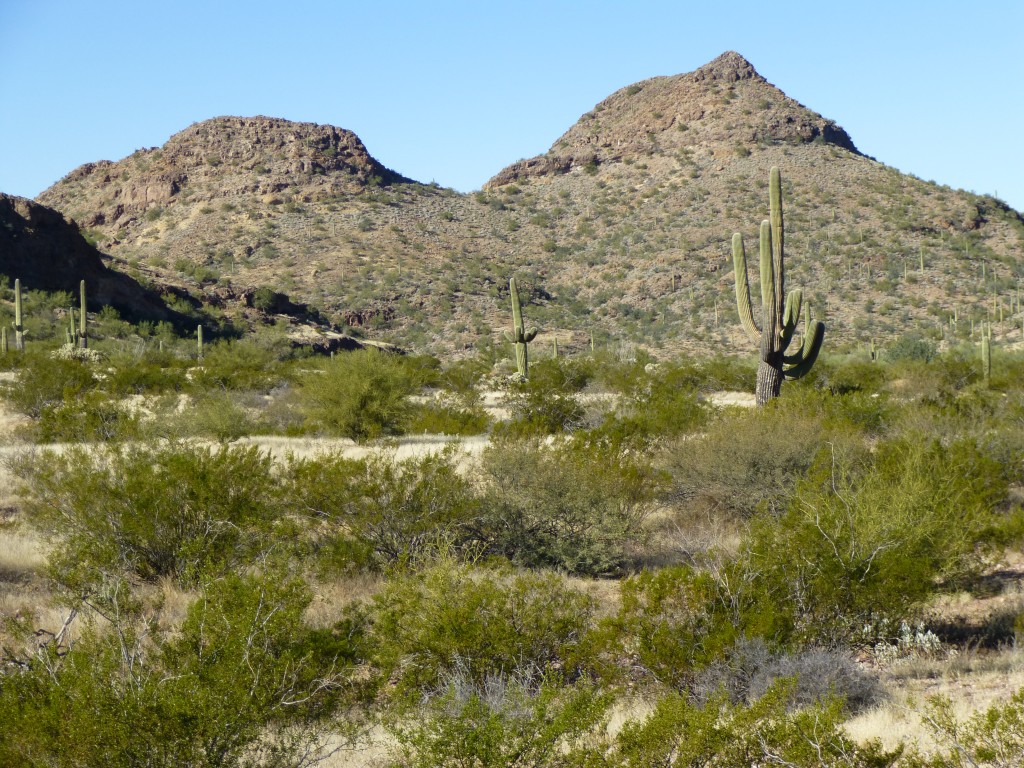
<point x="778" y="235"/>
<point x="739" y="263"/>
<point x="530" y="335"/>
<point x="790" y="317"/>
<point x="509" y="337"/>
<point x="808" y="353"/>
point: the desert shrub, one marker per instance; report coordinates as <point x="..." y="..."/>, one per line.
<point x="750" y="668"/>
<point x="361" y="395"/>
<point x="91" y="416"/>
<point x="216" y="414"/>
<point x="863" y="543"/>
<point x="852" y="376"/>
<point x="378" y="510"/>
<point x="152" y="372"/>
<point x="447" y="418"/>
<point x="236" y="365"/>
<point x="578" y="507"/>
<point x="911" y="346"/>
<point x="244" y="683"/>
<point x="993" y="738"/>
<point x="664" y="405"/>
<point x="483" y="621"/>
<point x="505" y="720"/>
<point x="751" y="458"/>
<point x="45" y="381"/>
<point x="175" y="510"/>
<point x="674" y="622"/>
<point x="717" y="733"/>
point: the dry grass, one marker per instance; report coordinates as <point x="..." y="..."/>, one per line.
<point x="22" y="553"/>
<point x="972" y="680"/>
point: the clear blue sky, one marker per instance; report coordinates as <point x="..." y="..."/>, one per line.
<point x="453" y="91"/>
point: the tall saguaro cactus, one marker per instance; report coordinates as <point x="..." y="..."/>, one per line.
<point x="519" y="336"/>
<point x="779" y="313"/>
<point x="19" y="329"/>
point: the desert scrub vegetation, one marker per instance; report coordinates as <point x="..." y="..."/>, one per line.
<point x="245" y="681"/>
<point x="521" y="599"/>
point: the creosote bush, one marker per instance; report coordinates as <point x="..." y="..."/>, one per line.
<point x="168" y="510"/>
<point x="481" y="621"/>
<point x="362" y="395"/>
<point x="577" y="506"/>
<point x="244" y="683"/>
<point x="377" y="511"/>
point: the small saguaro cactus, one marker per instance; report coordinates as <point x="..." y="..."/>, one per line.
<point x="83" y="332"/>
<point x="199" y="342"/>
<point x="519" y="336"/>
<point x="780" y="313"/>
<point x="19" y="329"/>
<point x="986" y="354"/>
<point x="3" y="340"/>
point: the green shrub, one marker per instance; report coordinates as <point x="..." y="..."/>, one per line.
<point x="860" y="547"/>
<point x="362" y="395"/>
<point x="46" y="381"/>
<point x="236" y="365"/>
<point x="174" y="510"/>
<point x="993" y="737"/>
<point x="91" y="416"/>
<point x="674" y="622"/>
<point x="578" y="506"/>
<point x="244" y="683"/>
<point x="447" y="419"/>
<point x="766" y="732"/>
<point x="428" y="624"/>
<point x="380" y="510"/>
<point x="503" y="722"/>
<point x="750" y="458"/>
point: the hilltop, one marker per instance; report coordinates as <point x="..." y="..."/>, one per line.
<point x="621" y="228"/>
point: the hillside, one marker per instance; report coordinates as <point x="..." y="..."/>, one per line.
<point x="621" y="228"/>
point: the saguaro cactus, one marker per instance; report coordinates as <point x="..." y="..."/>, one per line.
<point x="986" y="354"/>
<point x="199" y="342"/>
<point x="519" y="336"/>
<point x="19" y="329"/>
<point x="83" y="332"/>
<point x="779" y="316"/>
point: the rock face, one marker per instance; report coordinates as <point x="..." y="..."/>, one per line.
<point x="723" y="104"/>
<point x="222" y="157"/>
<point x="47" y="252"/>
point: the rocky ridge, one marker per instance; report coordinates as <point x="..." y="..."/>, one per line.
<point x="622" y="228"/>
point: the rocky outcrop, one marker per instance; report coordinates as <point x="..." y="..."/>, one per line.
<point x="219" y="158"/>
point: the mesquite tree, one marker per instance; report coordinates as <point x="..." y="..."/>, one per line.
<point x="779" y="316"/>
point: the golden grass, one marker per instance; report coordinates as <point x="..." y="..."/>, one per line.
<point x="22" y="553"/>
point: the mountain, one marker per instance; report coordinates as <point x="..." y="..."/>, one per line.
<point x="622" y="228"/>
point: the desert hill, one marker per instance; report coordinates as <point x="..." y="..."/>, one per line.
<point x="621" y="228"/>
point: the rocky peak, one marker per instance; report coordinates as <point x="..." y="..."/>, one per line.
<point x="714" y="110"/>
<point x="222" y="157"/>
<point x="730" y="67"/>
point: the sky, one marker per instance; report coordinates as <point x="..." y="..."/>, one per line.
<point x="451" y="92"/>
